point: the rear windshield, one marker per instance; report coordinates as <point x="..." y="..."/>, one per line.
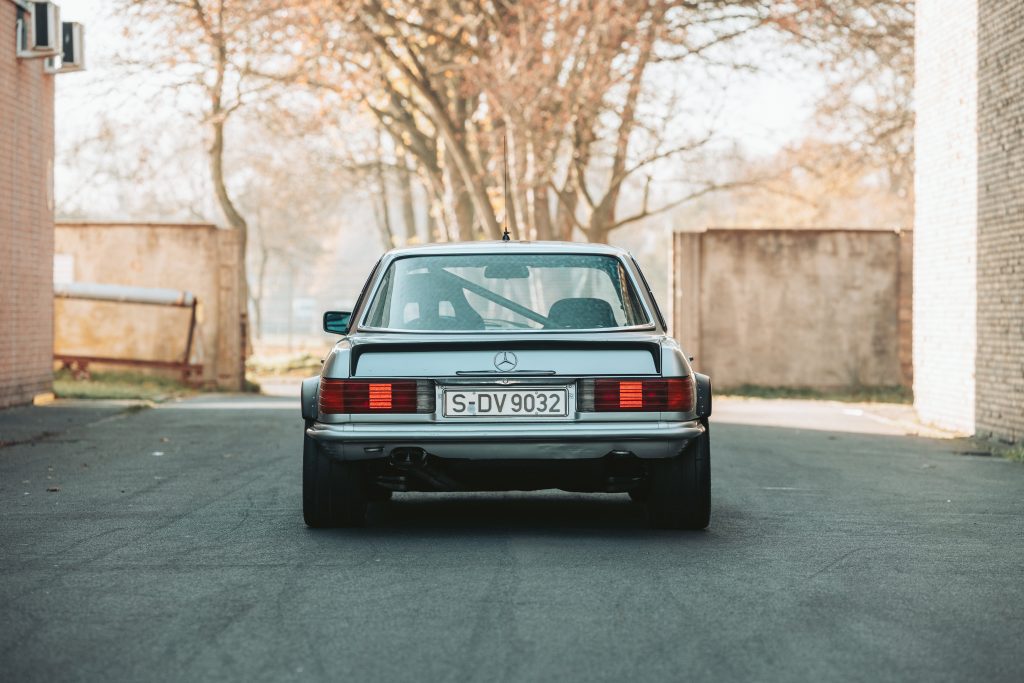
<point x="505" y="292"/>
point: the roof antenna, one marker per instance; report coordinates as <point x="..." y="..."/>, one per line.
<point x="504" y="142"/>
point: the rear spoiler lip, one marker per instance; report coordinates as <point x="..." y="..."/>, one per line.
<point x="650" y="345"/>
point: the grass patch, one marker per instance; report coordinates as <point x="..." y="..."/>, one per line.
<point x="854" y="394"/>
<point x="1014" y="454"/>
<point x="118" y="385"/>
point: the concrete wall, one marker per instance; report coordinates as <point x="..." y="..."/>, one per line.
<point x="999" y="372"/>
<point x="794" y="308"/>
<point x="199" y="258"/>
<point x="946" y="208"/>
<point x="26" y="220"/>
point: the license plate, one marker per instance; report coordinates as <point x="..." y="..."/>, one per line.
<point x="510" y="402"/>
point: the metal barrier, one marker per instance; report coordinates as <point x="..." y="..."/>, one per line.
<point x="155" y="296"/>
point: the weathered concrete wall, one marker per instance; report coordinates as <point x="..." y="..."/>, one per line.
<point x="794" y="308"/>
<point x="26" y="221"/>
<point x="199" y="258"/>
<point x="946" y="208"/>
<point x="999" y="375"/>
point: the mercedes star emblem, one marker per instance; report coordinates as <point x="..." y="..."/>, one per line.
<point x="505" y="361"/>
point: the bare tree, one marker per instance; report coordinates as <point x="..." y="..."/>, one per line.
<point x="453" y="80"/>
<point x="866" y="49"/>
<point x="589" y="96"/>
<point x="212" y="42"/>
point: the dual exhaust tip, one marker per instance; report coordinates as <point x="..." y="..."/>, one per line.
<point x="414" y="464"/>
<point x="407" y="457"/>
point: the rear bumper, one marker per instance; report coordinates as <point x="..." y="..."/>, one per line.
<point x="479" y="441"/>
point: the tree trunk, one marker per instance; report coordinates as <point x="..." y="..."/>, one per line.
<point x="291" y="301"/>
<point x="408" y="202"/>
<point x="542" y="213"/>
<point x="602" y="218"/>
<point x="459" y="199"/>
<point x="218" y="118"/>
<point x="452" y="133"/>
<point x="257" y="299"/>
<point x="435" y="230"/>
<point x="564" y="220"/>
<point x="465" y="216"/>
<point x="381" y="208"/>
<point x="438" y="221"/>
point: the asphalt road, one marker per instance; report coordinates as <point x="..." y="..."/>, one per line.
<point x="175" y="550"/>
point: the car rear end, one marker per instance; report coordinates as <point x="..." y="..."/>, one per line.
<point x="496" y="409"/>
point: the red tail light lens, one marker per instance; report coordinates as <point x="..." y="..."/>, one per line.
<point x="347" y="396"/>
<point x="673" y="394"/>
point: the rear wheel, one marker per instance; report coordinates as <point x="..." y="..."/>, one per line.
<point x="680" y="493"/>
<point x="377" y="494"/>
<point x="640" y="495"/>
<point x="332" y="490"/>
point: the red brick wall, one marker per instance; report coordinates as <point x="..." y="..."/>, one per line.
<point x="26" y="220"/>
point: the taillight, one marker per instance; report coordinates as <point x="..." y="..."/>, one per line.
<point x="376" y="396"/>
<point x="674" y="394"/>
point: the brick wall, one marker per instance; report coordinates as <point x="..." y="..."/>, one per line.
<point x="999" y="406"/>
<point x="794" y="308"/>
<point x="945" y="232"/>
<point x="26" y="220"/>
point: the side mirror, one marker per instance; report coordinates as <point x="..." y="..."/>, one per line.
<point x="337" y="322"/>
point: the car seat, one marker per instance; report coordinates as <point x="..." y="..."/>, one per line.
<point x="582" y="313"/>
<point x="438" y="305"/>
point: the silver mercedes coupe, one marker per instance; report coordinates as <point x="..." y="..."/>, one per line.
<point x="495" y="366"/>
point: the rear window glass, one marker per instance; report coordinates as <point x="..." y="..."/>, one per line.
<point x="466" y="292"/>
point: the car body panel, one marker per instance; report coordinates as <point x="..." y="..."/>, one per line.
<point x="475" y="441"/>
<point x="577" y="362"/>
<point x="544" y="358"/>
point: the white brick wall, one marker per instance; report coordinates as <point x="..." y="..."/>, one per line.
<point x="946" y="210"/>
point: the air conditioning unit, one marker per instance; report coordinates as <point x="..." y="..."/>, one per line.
<point x="73" y="53"/>
<point x="46" y="34"/>
<point x="39" y="31"/>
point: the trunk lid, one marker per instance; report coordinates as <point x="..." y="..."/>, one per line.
<point x="535" y="356"/>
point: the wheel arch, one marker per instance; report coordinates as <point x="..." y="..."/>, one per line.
<point x="308" y="396"/>
<point x="703" y="395"/>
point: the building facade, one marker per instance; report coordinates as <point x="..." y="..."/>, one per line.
<point x="26" y="218"/>
<point x="969" y="223"/>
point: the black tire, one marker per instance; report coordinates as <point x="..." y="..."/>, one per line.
<point x="377" y="494"/>
<point x="332" y="490"/>
<point x="680" y="495"/>
<point x="640" y="495"/>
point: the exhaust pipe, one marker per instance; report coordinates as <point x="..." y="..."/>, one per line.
<point x="407" y="457"/>
<point x="416" y="462"/>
